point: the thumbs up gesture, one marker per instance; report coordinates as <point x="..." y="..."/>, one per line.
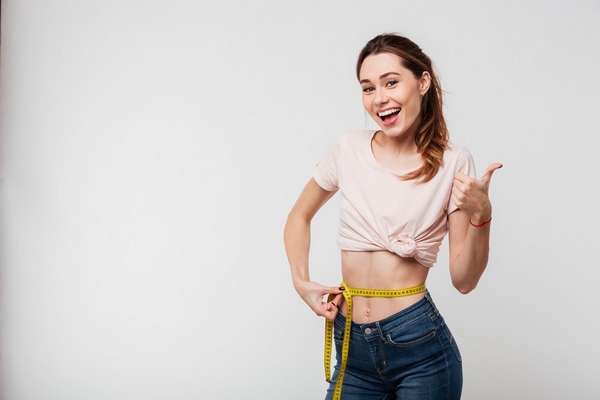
<point x="471" y="195"/>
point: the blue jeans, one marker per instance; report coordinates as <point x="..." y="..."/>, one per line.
<point x="410" y="355"/>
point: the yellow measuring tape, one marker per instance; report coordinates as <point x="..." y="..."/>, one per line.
<point x="348" y="293"/>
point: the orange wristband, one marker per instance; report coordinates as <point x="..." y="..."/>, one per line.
<point x="481" y="224"/>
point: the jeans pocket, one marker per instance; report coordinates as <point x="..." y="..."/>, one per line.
<point x="414" y="333"/>
<point x="338" y="335"/>
<point x="338" y="331"/>
<point x="448" y="336"/>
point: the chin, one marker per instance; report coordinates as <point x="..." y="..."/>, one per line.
<point x="399" y="129"/>
<point x="393" y="131"/>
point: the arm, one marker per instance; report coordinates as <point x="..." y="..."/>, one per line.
<point x="297" y="244"/>
<point x="470" y="245"/>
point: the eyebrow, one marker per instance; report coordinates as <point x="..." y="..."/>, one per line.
<point x="381" y="77"/>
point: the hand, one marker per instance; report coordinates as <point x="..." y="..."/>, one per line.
<point x="314" y="294"/>
<point x="471" y="195"/>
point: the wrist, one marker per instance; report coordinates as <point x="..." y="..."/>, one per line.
<point x="481" y="223"/>
<point x="481" y="216"/>
<point x="298" y="282"/>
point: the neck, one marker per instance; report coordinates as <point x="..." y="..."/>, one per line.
<point x="396" y="153"/>
<point x="401" y="145"/>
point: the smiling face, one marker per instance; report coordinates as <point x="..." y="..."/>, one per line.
<point x="392" y="94"/>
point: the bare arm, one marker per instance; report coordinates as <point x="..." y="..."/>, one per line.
<point x="470" y="245"/>
<point x="297" y="245"/>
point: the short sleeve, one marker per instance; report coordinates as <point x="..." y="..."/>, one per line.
<point x="466" y="165"/>
<point x="325" y="172"/>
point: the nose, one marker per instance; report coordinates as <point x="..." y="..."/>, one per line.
<point x="380" y="98"/>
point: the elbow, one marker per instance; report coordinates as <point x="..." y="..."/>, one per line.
<point x="464" y="287"/>
<point x="294" y="220"/>
<point x="295" y="223"/>
<point x="465" y="280"/>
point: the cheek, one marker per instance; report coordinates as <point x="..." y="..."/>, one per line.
<point x="415" y="106"/>
<point x="365" y="101"/>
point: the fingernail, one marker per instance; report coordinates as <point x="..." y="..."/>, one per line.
<point x="342" y="288"/>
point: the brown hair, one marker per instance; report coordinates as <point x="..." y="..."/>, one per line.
<point x="432" y="134"/>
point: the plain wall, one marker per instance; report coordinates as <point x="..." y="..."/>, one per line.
<point x="151" y="151"/>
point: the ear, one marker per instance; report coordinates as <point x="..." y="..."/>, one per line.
<point x="424" y="83"/>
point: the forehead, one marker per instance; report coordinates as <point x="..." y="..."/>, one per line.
<point x="376" y="65"/>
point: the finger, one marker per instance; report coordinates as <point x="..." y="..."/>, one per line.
<point x="456" y="184"/>
<point x="461" y="188"/>
<point x="331" y="315"/>
<point x="333" y="308"/>
<point x="487" y="176"/>
<point x="337" y="300"/>
<point x="461" y="177"/>
<point x="328" y="310"/>
<point x="332" y="290"/>
<point x="334" y="298"/>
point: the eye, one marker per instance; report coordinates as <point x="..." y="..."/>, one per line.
<point x="367" y="89"/>
<point x="391" y="83"/>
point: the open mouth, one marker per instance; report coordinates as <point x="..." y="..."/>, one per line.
<point x="389" y="114"/>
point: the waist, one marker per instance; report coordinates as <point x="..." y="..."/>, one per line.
<point x="380" y="270"/>
<point x="423" y="305"/>
<point x="370" y="309"/>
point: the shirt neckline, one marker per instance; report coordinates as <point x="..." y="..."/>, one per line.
<point x="376" y="163"/>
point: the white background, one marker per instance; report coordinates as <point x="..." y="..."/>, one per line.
<point x="151" y="151"/>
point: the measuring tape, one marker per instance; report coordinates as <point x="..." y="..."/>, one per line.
<point x="348" y="293"/>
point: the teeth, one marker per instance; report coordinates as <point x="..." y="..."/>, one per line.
<point x="388" y="112"/>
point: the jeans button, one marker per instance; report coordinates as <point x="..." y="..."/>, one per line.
<point x="368" y="331"/>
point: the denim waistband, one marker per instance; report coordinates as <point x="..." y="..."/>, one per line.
<point x="421" y="307"/>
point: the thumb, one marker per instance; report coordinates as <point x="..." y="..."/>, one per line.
<point x="487" y="176"/>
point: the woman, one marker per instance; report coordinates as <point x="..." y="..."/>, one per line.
<point x="403" y="187"/>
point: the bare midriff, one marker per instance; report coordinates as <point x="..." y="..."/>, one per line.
<point x="380" y="270"/>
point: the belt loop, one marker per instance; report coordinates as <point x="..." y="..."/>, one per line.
<point x="430" y="300"/>
<point x="380" y="331"/>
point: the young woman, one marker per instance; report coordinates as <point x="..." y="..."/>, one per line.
<point x="402" y="187"/>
